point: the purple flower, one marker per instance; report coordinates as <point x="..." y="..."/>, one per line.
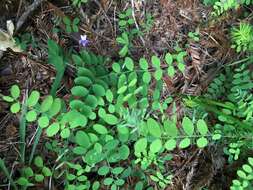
<point x="83" y="41"/>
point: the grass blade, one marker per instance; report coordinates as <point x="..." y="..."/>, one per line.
<point x="36" y="142"/>
<point x="57" y="82"/>
<point x="7" y="173"/>
<point x="22" y="130"/>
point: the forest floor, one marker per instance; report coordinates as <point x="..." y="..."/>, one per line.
<point x="169" y="26"/>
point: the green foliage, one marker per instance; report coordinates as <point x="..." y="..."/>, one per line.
<point x="129" y="32"/>
<point x="245" y="176"/>
<point x="7" y="173"/>
<point x="30" y="176"/>
<point x="210" y="2"/>
<point x="242" y="37"/>
<point x="240" y="93"/>
<point x="234" y="87"/>
<point x="125" y="19"/>
<point x="223" y="6"/>
<point x="194" y="36"/>
<point x="96" y="122"/>
<point x="175" y="58"/>
<point x="217" y="87"/>
<point x="72" y="26"/>
<point x="114" y="181"/>
<point x="124" y="41"/>
<point x="25" y="41"/>
<point x="147" y="151"/>
<point x="126" y="23"/>
<point x="13" y="99"/>
<point x="56" y="58"/>
<point x="76" y="177"/>
<point x="162" y="181"/>
<point x="78" y="3"/>
<point x="147" y="24"/>
<point x="233" y="151"/>
<point x="229" y="97"/>
<point x="112" y="127"/>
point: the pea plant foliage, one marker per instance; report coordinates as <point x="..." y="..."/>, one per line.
<point x="110" y="129"/>
<point x="106" y="122"/>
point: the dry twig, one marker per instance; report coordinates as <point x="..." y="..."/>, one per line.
<point x="26" y="14"/>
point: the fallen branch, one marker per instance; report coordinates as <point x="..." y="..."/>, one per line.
<point x="28" y="12"/>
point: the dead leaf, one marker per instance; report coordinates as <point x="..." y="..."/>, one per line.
<point x="10" y="27"/>
<point x="11" y="131"/>
<point x="6" y="39"/>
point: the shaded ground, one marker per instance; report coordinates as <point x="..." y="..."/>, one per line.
<point x="173" y="20"/>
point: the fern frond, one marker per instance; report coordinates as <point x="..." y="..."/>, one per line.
<point x="242" y="37"/>
<point x="223" y="6"/>
<point x="246" y="2"/>
<point x="216" y="89"/>
<point x="241" y="82"/>
<point x="245" y="177"/>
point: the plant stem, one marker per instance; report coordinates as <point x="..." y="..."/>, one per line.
<point x="7" y="173"/>
<point x="213" y="109"/>
<point x="36" y="142"/>
<point x="57" y="82"/>
<point x="22" y="130"/>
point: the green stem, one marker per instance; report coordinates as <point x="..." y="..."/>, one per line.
<point x="215" y="103"/>
<point x="55" y="86"/>
<point x="22" y="132"/>
<point x="57" y="82"/>
<point x="228" y="117"/>
<point x="7" y="174"/>
<point x="36" y="142"/>
<point x="240" y="61"/>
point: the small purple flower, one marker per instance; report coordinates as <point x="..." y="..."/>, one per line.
<point x="83" y="41"/>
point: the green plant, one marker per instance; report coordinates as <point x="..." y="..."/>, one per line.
<point x="26" y="40"/>
<point x="71" y="26"/>
<point x="210" y="2"/>
<point x="113" y="178"/>
<point x="112" y="128"/>
<point x="233" y="151"/>
<point x="229" y="97"/>
<point x="162" y="181"/>
<point x="223" y="6"/>
<point x="236" y="104"/>
<point x="175" y="58"/>
<point x="13" y="99"/>
<point x="126" y="20"/>
<point x="41" y="113"/>
<point x="16" y="108"/>
<point x="240" y="93"/>
<point x="78" y="3"/>
<point x="124" y="41"/>
<point x="217" y="87"/>
<point x="76" y="177"/>
<point x="194" y="36"/>
<point x="56" y="58"/>
<point x="29" y="177"/>
<point x="97" y="102"/>
<point x="128" y="30"/>
<point x="245" y="174"/>
<point x="31" y="110"/>
<point x="147" y="150"/>
<point x="7" y="173"/>
<point x="242" y="37"/>
<point x="147" y="24"/>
